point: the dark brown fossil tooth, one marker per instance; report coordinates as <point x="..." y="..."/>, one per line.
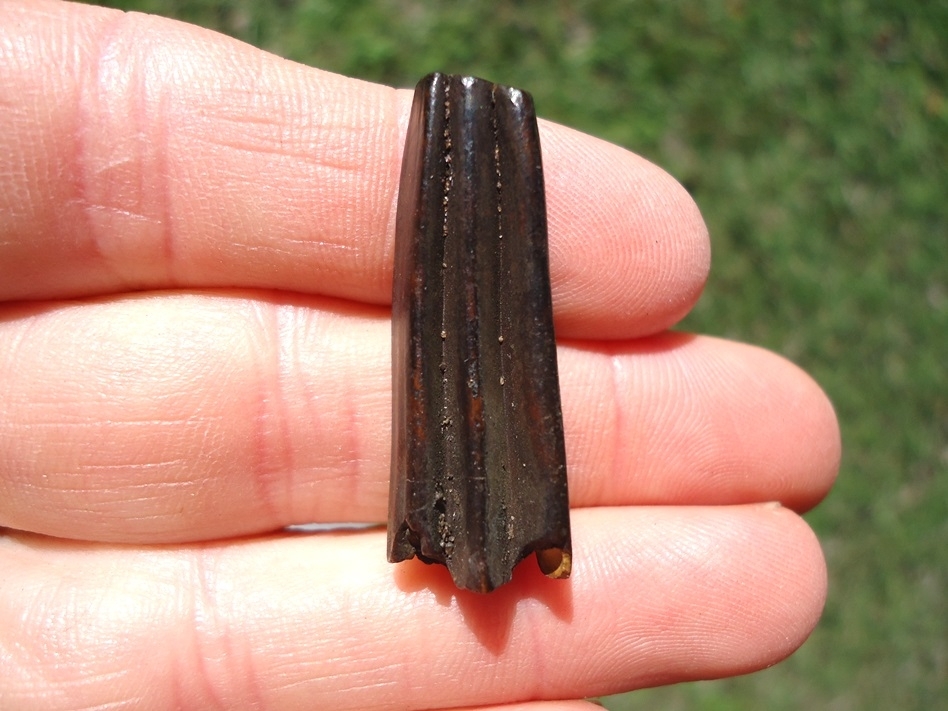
<point x="478" y="460"/>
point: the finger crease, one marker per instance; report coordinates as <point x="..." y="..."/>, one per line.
<point x="273" y="450"/>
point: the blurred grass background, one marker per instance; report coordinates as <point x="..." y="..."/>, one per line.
<point x="814" y="137"/>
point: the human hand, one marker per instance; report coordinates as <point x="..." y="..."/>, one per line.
<point x="195" y="264"/>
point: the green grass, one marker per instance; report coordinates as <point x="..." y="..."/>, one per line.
<point x="814" y="136"/>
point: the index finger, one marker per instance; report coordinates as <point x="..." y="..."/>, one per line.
<point x="141" y="153"/>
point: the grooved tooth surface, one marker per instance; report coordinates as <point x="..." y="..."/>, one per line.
<point x="478" y="460"/>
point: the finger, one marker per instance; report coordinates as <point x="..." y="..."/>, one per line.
<point x="144" y="153"/>
<point x="184" y="417"/>
<point x="657" y="596"/>
<point x="541" y="706"/>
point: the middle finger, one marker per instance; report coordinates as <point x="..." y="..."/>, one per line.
<point x="176" y="417"/>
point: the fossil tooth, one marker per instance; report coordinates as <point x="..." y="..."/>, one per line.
<point x="478" y="477"/>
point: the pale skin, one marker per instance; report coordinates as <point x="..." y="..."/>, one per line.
<point x="195" y="269"/>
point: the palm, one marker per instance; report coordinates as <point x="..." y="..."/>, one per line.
<point x="195" y="259"/>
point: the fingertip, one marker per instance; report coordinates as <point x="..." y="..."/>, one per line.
<point x="805" y="572"/>
<point x="645" y="248"/>
<point x="827" y="422"/>
<point x="780" y="421"/>
<point x="816" y="448"/>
